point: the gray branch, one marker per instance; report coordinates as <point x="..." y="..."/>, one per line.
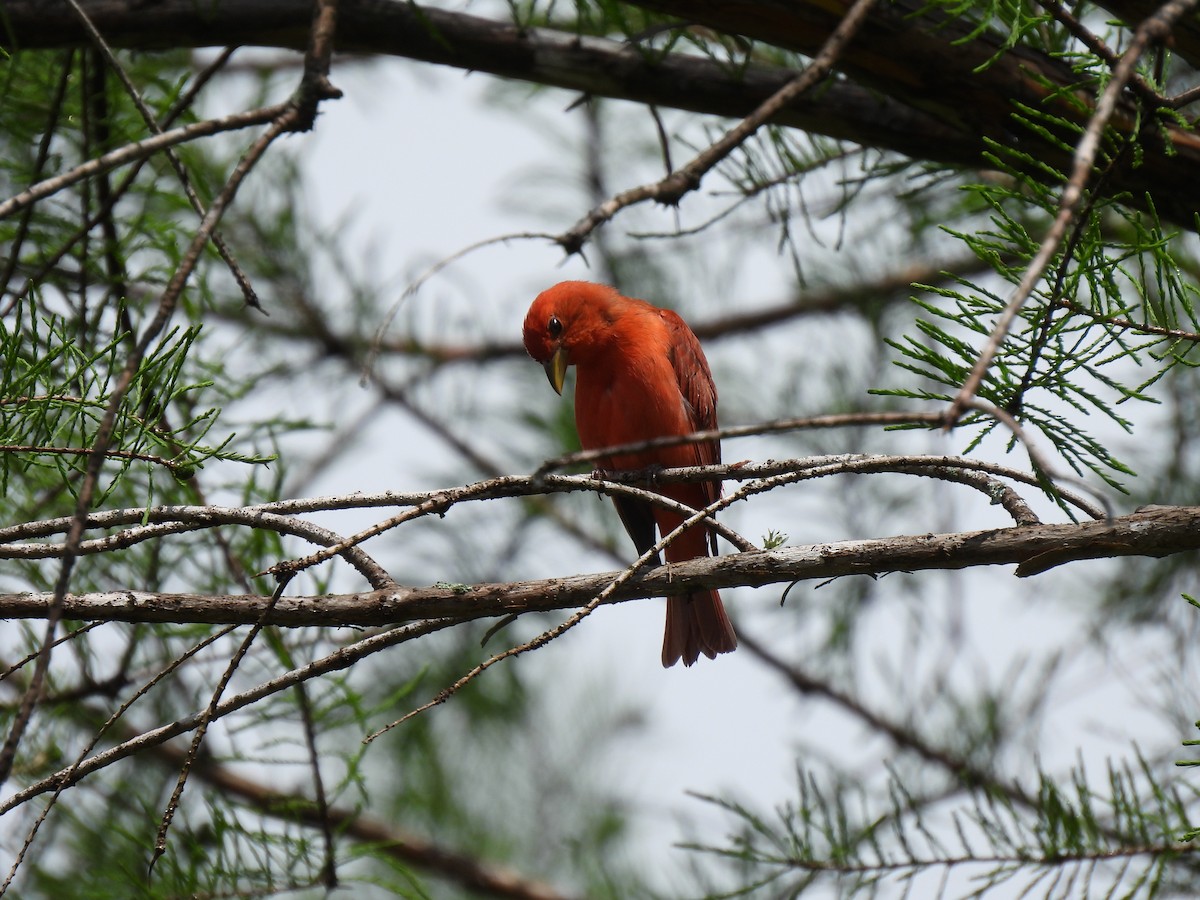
<point x="1151" y="531"/>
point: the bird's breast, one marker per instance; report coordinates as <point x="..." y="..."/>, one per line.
<point x="624" y="404"/>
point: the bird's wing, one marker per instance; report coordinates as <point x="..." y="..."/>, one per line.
<point x="695" y="381"/>
<point x="698" y="390"/>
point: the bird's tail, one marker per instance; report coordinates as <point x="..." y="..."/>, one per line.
<point x="696" y="623"/>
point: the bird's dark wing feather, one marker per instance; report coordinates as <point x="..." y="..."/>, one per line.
<point x="699" y="393"/>
<point x="638" y="518"/>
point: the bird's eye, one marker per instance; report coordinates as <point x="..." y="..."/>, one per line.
<point x="554" y="326"/>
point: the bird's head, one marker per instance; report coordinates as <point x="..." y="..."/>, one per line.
<point x="565" y="320"/>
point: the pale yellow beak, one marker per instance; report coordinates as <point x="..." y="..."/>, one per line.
<point x="556" y="369"/>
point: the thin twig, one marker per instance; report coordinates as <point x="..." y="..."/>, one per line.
<point x="239" y="275"/>
<point x="333" y="662"/>
<point x="278" y="516"/>
<point x="174" y="664"/>
<point x="180" y="519"/>
<point x="368" y="368"/>
<point x="8" y="671"/>
<point x="1036" y="457"/>
<point x="308" y="721"/>
<point x="1124" y="324"/>
<point x="615" y="484"/>
<point x="201" y="729"/>
<point x="832" y="420"/>
<point x="692" y="520"/>
<point x="140" y="150"/>
<point x="131" y="455"/>
<point x="671" y="190"/>
<point x="440" y="502"/>
<point x="748" y="193"/>
<point x="1191" y="95"/>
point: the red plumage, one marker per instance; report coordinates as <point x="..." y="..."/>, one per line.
<point x="641" y="374"/>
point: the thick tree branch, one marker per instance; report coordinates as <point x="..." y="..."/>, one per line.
<point x="922" y="88"/>
<point x="969" y="81"/>
<point x="1152" y="531"/>
<point x="543" y="56"/>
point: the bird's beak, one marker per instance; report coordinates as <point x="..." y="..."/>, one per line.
<point x="556" y="369"/>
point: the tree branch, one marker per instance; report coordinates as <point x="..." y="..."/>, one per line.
<point x="943" y="98"/>
<point x="158" y="522"/>
<point x="671" y="189"/>
<point x="139" y="150"/>
<point x="541" y="55"/>
<point x="1155" y="531"/>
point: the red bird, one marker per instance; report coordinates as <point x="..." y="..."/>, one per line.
<point x="641" y="374"/>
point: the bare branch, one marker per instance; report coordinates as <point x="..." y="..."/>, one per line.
<point x="522" y="485"/>
<point x="336" y="661"/>
<point x="279" y="516"/>
<point x="1119" y="322"/>
<point x="833" y="420"/>
<point x="140" y="150"/>
<point x="671" y="189"/>
<point x="1154" y="531"/>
